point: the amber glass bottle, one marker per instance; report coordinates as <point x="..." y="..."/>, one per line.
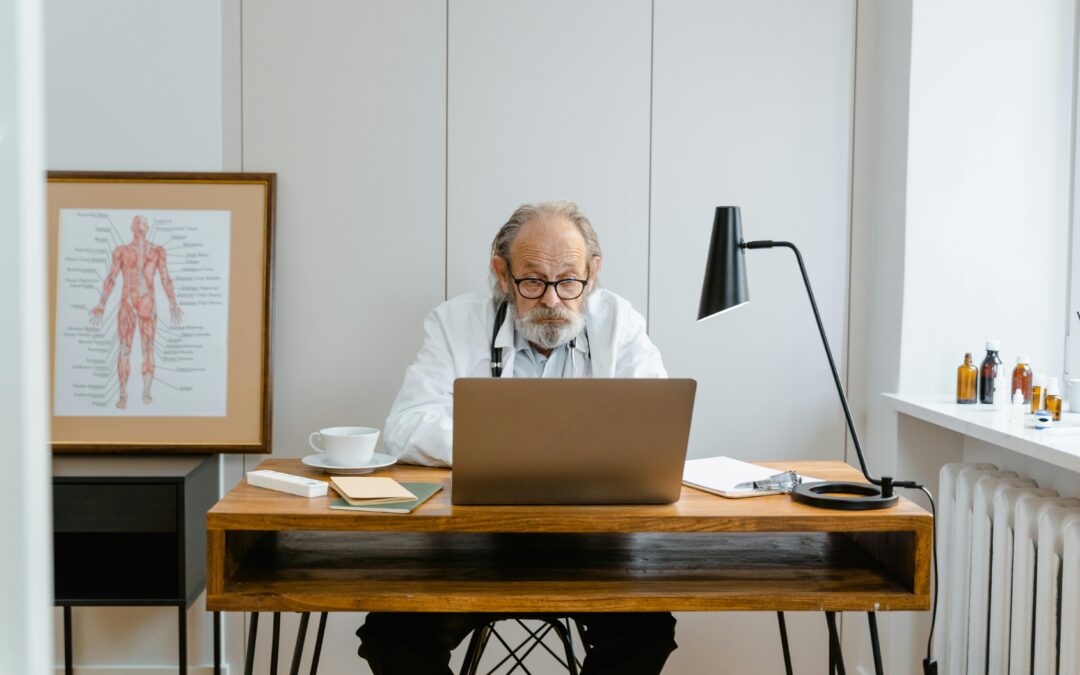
<point x="989" y="372"/>
<point x="1021" y="377"/>
<point x="967" y="377"/>
<point x="1053" y="399"/>
<point x="1038" y="391"/>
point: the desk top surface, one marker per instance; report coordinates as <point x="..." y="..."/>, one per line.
<point x="250" y="508"/>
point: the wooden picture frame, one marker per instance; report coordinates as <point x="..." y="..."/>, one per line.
<point x="159" y="290"/>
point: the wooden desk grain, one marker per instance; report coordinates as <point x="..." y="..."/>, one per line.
<point x="270" y="551"/>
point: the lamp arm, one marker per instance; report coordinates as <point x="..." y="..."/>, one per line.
<point x="828" y="354"/>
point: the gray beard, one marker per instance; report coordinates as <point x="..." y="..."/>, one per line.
<point x="548" y="335"/>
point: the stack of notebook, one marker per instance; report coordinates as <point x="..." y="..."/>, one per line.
<point x="380" y="494"/>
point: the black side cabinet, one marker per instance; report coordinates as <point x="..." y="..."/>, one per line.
<point x="131" y="530"/>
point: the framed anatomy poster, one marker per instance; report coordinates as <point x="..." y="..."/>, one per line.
<point x="159" y="291"/>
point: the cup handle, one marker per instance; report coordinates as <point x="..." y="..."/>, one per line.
<point x="311" y="441"/>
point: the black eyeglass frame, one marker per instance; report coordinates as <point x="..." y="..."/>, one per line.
<point x="517" y="283"/>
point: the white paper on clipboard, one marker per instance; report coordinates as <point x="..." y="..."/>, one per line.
<point x="720" y="475"/>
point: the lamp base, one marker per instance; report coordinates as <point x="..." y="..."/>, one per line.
<point x="823" y="495"/>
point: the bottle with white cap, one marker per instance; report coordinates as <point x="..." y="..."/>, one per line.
<point x="1021" y="377"/>
<point x="1053" y="398"/>
<point x="1018" y="408"/>
<point x="1038" y="392"/>
<point x="988" y="373"/>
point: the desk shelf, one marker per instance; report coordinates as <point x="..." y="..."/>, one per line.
<point x="404" y="572"/>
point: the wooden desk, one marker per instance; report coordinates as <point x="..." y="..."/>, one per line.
<point x="269" y="551"/>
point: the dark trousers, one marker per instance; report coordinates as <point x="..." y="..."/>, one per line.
<point x="420" y="643"/>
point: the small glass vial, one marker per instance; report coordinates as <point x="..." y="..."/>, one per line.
<point x="1021" y="377"/>
<point x="967" y="379"/>
<point x="1038" y="391"/>
<point x="988" y="372"/>
<point x="1053" y="399"/>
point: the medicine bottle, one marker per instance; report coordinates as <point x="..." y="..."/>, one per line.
<point x="989" y="371"/>
<point x="1038" y="391"/>
<point x="967" y="377"/>
<point x="1053" y="399"/>
<point x="1021" y="377"/>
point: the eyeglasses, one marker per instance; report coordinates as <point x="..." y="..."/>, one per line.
<point x="532" y="288"/>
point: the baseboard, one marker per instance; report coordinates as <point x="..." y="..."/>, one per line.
<point x="138" y="670"/>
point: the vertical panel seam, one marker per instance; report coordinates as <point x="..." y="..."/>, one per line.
<point x="851" y="215"/>
<point x="446" y="160"/>
<point x="241" y="86"/>
<point x="648" y="222"/>
<point x="1070" y="260"/>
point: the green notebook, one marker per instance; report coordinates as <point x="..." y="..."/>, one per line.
<point x="423" y="492"/>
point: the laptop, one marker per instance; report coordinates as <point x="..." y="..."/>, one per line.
<point x="570" y="441"/>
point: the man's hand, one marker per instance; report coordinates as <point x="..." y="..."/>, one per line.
<point x="175" y="313"/>
<point x="96" y="315"/>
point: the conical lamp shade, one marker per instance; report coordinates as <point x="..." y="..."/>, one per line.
<point x="724" y="287"/>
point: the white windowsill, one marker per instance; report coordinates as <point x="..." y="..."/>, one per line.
<point x="1059" y="446"/>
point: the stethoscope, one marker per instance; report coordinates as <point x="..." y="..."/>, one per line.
<point x="496" y="352"/>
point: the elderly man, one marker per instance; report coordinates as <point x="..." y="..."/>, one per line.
<point x="543" y="318"/>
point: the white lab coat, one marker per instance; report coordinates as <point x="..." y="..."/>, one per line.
<point x="457" y="343"/>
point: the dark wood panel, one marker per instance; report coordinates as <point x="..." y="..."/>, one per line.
<point x="300" y="571"/>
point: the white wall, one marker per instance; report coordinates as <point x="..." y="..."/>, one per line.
<point x="404" y="134"/>
<point x="988" y="186"/>
<point x="562" y="112"/>
<point x="25" y="495"/>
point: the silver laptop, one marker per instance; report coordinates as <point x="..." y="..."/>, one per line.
<point x="570" y="441"/>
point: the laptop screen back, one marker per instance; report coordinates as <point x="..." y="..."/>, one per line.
<point x="570" y="441"/>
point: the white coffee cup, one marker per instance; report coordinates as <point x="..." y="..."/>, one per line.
<point x="345" y="446"/>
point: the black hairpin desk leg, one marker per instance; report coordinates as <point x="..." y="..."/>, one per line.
<point x="298" y="650"/>
<point x="836" y="657"/>
<point x="217" y="643"/>
<point x="784" y="642"/>
<point x="318" y="644"/>
<point x="274" y="640"/>
<point x="253" y="632"/>
<point x="875" y="643"/>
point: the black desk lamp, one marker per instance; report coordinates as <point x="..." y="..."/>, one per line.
<point x="725" y="288"/>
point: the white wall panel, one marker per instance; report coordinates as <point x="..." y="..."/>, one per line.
<point x="133" y="85"/>
<point x="753" y="107"/>
<point x="549" y="100"/>
<point x="345" y="101"/>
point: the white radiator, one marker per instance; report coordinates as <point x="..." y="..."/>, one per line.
<point x="1009" y="557"/>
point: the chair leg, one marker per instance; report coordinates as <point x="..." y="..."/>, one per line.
<point x="475" y="650"/>
<point x="253" y="633"/>
<point x="784" y="643"/>
<point x="875" y="643"/>
<point x="298" y="650"/>
<point x="836" y="657"/>
<point x="568" y="645"/>
<point x="318" y="644"/>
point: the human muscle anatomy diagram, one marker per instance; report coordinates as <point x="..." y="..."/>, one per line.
<point x="112" y="288"/>
<point x="138" y="262"/>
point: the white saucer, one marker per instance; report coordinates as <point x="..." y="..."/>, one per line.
<point x="378" y="461"/>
